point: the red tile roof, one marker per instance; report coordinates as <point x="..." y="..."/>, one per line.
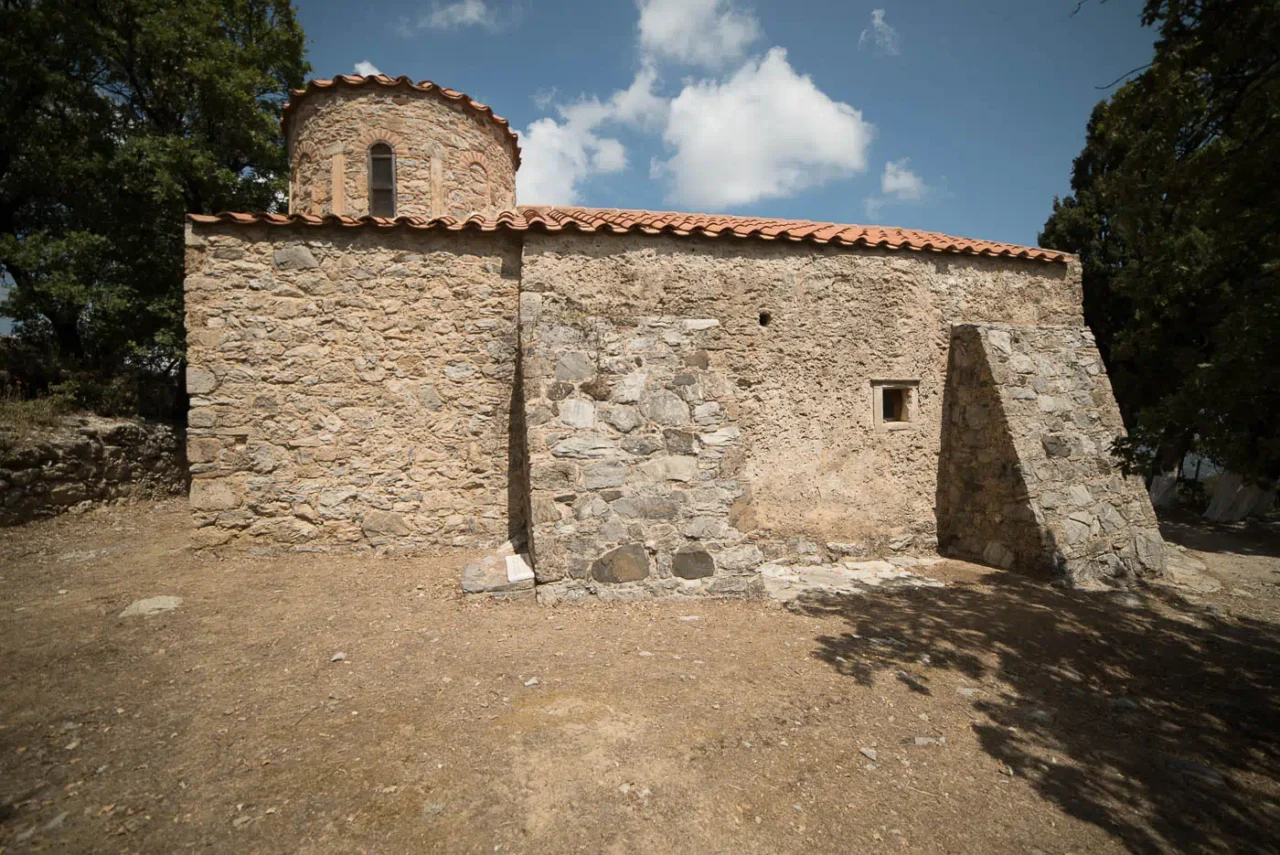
<point x="616" y="221"/>
<point x="383" y="80"/>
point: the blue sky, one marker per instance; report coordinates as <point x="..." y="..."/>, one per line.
<point x="957" y="116"/>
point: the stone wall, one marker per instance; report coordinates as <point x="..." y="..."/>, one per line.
<point x="85" y="460"/>
<point x="696" y="406"/>
<point x="1027" y="479"/>
<point x="352" y="388"/>
<point x="448" y="160"/>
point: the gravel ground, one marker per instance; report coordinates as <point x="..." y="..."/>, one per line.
<point x="993" y="715"/>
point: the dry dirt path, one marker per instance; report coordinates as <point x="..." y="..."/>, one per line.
<point x="993" y="715"/>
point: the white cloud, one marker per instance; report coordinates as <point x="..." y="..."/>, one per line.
<point x="901" y="183"/>
<point x="559" y="155"/>
<point x="709" y="33"/>
<point x="766" y="132"/>
<point x="453" y="16"/>
<point x="882" y="37"/>
<point x="364" y="68"/>
<point x="897" y="184"/>
<point x="545" y="97"/>
<point x="609" y="156"/>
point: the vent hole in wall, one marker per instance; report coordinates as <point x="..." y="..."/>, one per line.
<point x="765" y="318"/>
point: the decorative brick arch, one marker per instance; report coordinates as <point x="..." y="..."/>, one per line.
<point x="476" y="158"/>
<point x="303" y="153"/>
<point x="302" y="150"/>
<point x="377" y="135"/>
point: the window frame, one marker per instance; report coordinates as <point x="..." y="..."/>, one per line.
<point x="911" y="410"/>
<point x="369" y="160"/>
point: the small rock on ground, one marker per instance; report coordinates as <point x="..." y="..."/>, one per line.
<point x="151" y="606"/>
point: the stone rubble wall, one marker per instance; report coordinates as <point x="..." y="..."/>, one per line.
<point x="86" y="460"/>
<point x="1027" y="478"/>
<point x="638" y="454"/>
<point x="351" y="388"/>
<point x="449" y="161"/>
<point x="697" y="407"/>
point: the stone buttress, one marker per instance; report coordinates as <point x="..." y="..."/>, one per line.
<point x="1026" y="476"/>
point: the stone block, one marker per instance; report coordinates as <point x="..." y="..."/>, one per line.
<point x="670" y="468"/>
<point x="642" y="446"/>
<point x="692" y="562"/>
<point x="283" y="530"/>
<point x="209" y="495"/>
<point x="629" y="563"/>
<point x="385" y="523"/>
<point x="721" y="437"/>
<point x="496" y="574"/>
<point x="650" y="508"/>
<point x="578" y="413"/>
<point x="681" y="441"/>
<point x="621" y="417"/>
<point x="666" y="408"/>
<point x="741" y="558"/>
<point x="294" y="258"/>
<point x="584" y="447"/>
<point x="200" y="381"/>
<point x="574" y="367"/>
<point x="630" y="388"/>
<point x="610" y="473"/>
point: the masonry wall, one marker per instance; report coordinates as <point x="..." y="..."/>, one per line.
<point x="676" y="440"/>
<point x="1027" y="478"/>
<point x="448" y="160"/>
<point x="351" y="388"/>
<point x="84" y="460"/>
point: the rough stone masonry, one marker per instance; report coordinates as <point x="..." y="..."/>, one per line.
<point x="639" y="404"/>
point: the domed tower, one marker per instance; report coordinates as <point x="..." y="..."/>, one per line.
<point x="389" y="147"/>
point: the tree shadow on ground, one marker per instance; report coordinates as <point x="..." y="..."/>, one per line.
<point x="1168" y="709"/>
<point x="1252" y="537"/>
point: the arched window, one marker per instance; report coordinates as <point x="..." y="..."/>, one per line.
<point x="382" y="180"/>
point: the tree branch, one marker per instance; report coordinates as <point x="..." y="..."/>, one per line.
<point x="1129" y="73"/>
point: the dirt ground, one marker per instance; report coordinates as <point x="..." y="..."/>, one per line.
<point x="995" y="715"/>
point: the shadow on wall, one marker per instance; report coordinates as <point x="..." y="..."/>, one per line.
<point x="1168" y="720"/>
<point x="983" y="512"/>
<point x="519" y="512"/>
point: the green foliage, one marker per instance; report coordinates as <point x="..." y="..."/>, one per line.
<point x="117" y="118"/>
<point x="1175" y="213"/>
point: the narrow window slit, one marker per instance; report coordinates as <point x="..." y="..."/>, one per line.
<point x="382" y="180"/>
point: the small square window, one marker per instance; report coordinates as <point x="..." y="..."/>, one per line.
<point x="893" y="403"/>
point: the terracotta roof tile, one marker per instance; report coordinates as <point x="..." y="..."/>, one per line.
<point x="348" y="80"/>
<point x="614" y="221"/>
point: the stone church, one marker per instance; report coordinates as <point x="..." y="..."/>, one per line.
<point x="637" y="403"/>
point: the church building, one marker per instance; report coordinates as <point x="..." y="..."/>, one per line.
<point x="628" y="403"/>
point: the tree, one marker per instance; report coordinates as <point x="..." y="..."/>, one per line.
<point x="119" y="117"/>
<point x="1175" y="212"/>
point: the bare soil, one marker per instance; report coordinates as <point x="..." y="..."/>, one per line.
<point x="1073" y="723"/>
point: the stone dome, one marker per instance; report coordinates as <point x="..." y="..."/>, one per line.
<point x="386" y="146"/>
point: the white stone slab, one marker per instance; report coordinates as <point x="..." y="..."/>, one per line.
<point x="518" y="569"/>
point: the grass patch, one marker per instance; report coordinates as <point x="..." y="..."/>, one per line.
<point x="20" y="419"/>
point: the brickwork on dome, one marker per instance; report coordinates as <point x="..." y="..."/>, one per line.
<point x="351" y="389"/>
<point x="1027" y="478"/>
<point x="449" y="160"/>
